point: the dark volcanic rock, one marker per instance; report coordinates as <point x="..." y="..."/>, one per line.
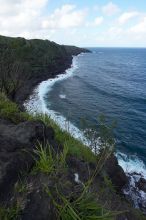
<point x="116" y="173"/>
<point x="141" y="184"/>
<point x="39" y="207"/>
<point x="16" y="147"/>
<point x="80" y="167"/>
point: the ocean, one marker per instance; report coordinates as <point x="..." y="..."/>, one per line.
<point x="109" y="81"/>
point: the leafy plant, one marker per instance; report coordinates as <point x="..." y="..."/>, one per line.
<point x="10" y="213"/>
<point x="85" y="207"/>
<point x="9" y="110"/>
<point x="49" y="161"/>
<point x="75" y="147"/>
<point x="45" y="161"/>
<point x="21" y="186"/>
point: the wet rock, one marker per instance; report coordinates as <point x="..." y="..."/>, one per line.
<point x="116" y="173"/>
<point x="141" y="184"/>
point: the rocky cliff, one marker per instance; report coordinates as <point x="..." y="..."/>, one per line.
<point x="44" y="172"/>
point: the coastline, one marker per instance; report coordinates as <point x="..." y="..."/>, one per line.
<point x="36" y="104"/>
<point x="21" y="133"/>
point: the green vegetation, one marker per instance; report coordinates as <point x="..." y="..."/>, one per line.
<point x="82" y="205"/>
<point x="9" y="110"/>
<point x="10" y="213"/>
<point x="45" y="162"/>
<point x="48" y="161"/>
<point x="18" y="57"/>
<point x="85" y="207"/>
<point x="21" y="186"/>
<point x="75" y="147"/>
<point x="24" y="60"/>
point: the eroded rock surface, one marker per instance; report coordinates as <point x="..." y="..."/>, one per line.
<point x="17" y="143"/>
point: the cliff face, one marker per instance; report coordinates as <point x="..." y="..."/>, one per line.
<point x="43" y="59"/>
<point x="44" y="172"/>
<point x="31" y="184"/>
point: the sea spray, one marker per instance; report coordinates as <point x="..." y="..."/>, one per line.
<point x="37" y="104"/>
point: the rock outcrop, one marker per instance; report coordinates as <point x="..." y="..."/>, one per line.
<point x="116" y="173"/>
<point x="141" y="184"/>
<point x="17" y="143"/>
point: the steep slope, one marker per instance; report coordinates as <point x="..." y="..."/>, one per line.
<point x="44" y="59"/>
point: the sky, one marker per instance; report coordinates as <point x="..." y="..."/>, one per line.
<point x="85" y="23"/>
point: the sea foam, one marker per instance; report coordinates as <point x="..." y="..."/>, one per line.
<point x="36" y="104"/>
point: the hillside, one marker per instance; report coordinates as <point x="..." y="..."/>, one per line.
<point x="46" y="174"/>
<point x="41" y="60"/>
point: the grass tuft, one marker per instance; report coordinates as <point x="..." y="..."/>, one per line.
<point x="9" y="110"/>
<point x="10" y="213"/>
<point x="85" y="207"/>
<point x="45" y="162"/>
<point x="75" y="147"/>
<point x="49" y="161"/>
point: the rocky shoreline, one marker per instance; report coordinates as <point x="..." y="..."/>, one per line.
<point x="63" y="64"/>
<point x="23" y="191"/>
<point x="135" y="184"/>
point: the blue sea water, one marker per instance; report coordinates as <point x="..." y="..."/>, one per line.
<point x="109" y="81"/>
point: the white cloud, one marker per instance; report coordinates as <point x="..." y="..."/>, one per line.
<point x="26" y="18"/>
<point x="15" y="7"/>
<point x="69" y="24"/>
<point x="140" y="27"/>
<point x="126" y="16"/>
<point x="110" y="9"/>
<point x="116" y="31"/>
<point x="20" y="16"/>
<point x="65" y="17"/>
<point x="98" y="21"/>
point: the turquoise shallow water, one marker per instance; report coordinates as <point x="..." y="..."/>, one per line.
<point x="109" y="81"/>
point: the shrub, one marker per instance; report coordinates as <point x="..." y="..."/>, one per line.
<point x="83" y="206"/>
<point x="48" y="161"/>
<point x="75" y="147"/>
<point x="10" y="213"/>
<point x="9" y="110"/>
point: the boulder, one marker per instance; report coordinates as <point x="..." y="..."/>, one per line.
<point x="141" y="184"/>
<point x="116" y="173"/>
<point x="17" y="143"/>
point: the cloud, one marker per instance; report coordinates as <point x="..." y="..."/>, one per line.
<point x="13" y="8"/>
<point x="116" y="31"/>
<point x="110" y="9"/>
<point x="140" y="27"/>
<point x="65" y="17"/>
<point x="69" y="24"/>
<point x="98" y="21"/>
<point x="20" y="16"/>
<point x="29" y="19"/>
<point x="126" y="16"/>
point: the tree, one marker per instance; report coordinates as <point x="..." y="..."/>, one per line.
<point x="13" y="73"/>
<point x="99" y="137"/>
